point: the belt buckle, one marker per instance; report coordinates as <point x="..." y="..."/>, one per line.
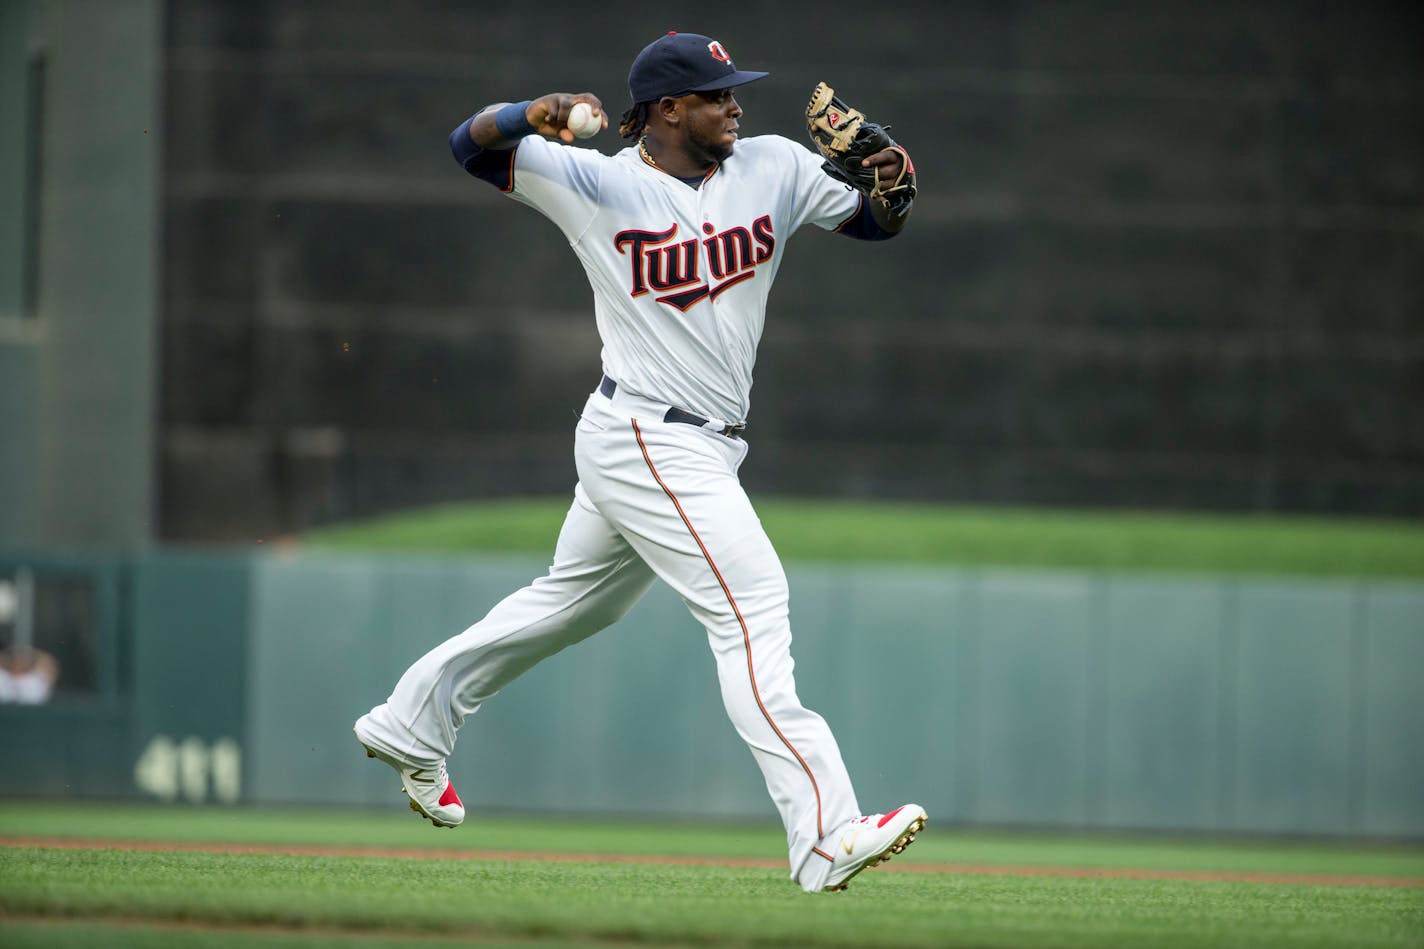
<point x="735" y="431"/>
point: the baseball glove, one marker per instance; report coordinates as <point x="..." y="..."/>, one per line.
<point x="844" y="137"/>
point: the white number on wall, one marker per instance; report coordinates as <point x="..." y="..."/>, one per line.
<point x="191" y="769"/>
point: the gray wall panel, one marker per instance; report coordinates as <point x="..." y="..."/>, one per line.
<point x="1293" y="696"/>
<point x="313" y="658"/>
<point x="1393" y="707"/>
<point x="1056" y="699"/>
<point x="99" y="271"/>
<point x="1033" y="728"/>
<point x="1162" y="721"/>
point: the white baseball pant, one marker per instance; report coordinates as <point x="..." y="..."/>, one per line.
<point x="658" y="499"/>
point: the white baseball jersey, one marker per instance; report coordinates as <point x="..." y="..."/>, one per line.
<point x="680" y="275"/>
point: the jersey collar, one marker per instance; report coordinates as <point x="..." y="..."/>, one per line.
<point x="694" y="183"/>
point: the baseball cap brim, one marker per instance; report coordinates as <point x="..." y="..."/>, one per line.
<point x="739" y="78"/>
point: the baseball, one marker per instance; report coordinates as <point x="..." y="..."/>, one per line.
<point x="582" y="122"/>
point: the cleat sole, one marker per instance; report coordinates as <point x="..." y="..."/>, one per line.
<point x="421" y="813"/>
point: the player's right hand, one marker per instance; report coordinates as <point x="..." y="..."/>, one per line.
<point x="550" y="114"/>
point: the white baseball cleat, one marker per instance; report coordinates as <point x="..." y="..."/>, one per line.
<point x="431" y="794"/>
<point x="869" y="841"/>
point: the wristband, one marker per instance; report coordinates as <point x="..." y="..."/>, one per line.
<point x="512" y="122"/>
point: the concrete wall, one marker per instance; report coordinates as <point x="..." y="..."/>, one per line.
<point x="17" y="326"/>
<point x="79" y="323"/>
<point x="1165" y="255"/>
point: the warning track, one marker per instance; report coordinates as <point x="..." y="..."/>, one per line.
<point x="528" y="856"/>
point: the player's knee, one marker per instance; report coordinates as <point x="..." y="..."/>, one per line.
<point x="767" y="602"/>
<point x="605" y="615"/>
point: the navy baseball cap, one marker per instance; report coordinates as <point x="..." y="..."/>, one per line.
<point x="679" y="63"/>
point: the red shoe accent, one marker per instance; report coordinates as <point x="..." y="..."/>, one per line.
<point x="450" y="797"/>
<point x="883" y="821"/>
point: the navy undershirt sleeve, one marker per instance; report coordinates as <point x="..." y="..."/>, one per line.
<point x="488" y="164"/>
<point x="861" y="225"/>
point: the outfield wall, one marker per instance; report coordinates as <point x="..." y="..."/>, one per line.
<point x="1055" y="699"/>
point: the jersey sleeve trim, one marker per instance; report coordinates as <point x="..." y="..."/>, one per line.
<point x="495" y="166"/>
<point x="860" y="203"/>
<point x="862" y="225"/>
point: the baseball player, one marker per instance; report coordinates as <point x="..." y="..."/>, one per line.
<point x="680" y="235"/>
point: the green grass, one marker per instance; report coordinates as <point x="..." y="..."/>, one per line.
<point x="397" y="829"/>
<point x="698" y="905"/>
<point x="72" y="934"/>
<point x="845" y="531"/>
<point x="63" y="898"/>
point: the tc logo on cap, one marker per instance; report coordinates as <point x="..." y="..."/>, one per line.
<point x="681" y="63"/>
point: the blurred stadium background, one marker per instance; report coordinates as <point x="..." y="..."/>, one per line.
<point x="1167" y="256"/>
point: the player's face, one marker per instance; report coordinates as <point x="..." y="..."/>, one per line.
<point x="711" y="123"/>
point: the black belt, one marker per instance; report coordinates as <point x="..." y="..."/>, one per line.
<point x="608" y="387"/>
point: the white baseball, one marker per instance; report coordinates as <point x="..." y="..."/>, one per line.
<point x="582" y="122"/>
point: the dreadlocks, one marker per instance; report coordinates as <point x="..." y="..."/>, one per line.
<point x="634" y="121"/>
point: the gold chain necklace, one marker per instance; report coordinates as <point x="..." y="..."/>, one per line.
<point x="643" y="150"/>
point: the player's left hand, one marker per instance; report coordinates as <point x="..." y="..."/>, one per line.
<point x="550" y="114"/>
<point x="886" y="163"/>
<point x="860" y="153"/>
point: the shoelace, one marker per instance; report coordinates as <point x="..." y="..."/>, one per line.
<point x="441" y="779"/>
<point x="852" y="829"/>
